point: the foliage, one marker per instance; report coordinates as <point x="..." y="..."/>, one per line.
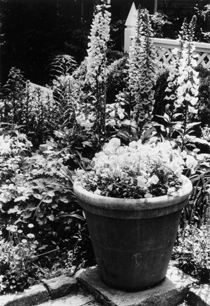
<point x="28" y="107"/>
<point x="17" y="254"/>
<point x="64" y="92"/>
<point x="160" y="24"/>
<point x="203" y="17"/>
<point x="62" y="65"/>
<point x="169" y="22"/>
<point x="206" y="133"/>
<point x="134" y="171"/>
<point x="160" y="101"/>
<point x="14" y="146"/>
<point x="36" y="186"/>
<point x="116" y="78"/>
<point x="196" y="212"/>
<point x="108" y="95"/>
<point x="192" y="251"/>
<point x="204" y="97"/>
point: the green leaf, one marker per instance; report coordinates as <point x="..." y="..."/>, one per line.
<point x="192" y="125"/>
<point x="51" y="193"/>
<point x="87" y="143"/>
<point x="51" y="217"/>
<point x="63" y="199"/>
<point x="47" y="200"/>
<point x="37" y="196"/>
<point x="54" y="205"/>
<point x="21" y="198"/>
<point x="26" y="214"/>
<point x="13" y="210"/>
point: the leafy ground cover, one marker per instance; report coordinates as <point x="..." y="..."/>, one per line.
<point x="43" y="139"/>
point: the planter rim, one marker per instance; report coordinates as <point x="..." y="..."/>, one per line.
<point x="133" y="204"/>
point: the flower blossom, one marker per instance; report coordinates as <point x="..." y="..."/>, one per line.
<point x="136" y="170"/>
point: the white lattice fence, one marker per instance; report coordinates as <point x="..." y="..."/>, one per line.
<point x="204" y="60"/>
<point x="165" y="47"/>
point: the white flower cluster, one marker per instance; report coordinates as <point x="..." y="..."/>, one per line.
<point x="188" y="81"/>
<point x="86" y="121"/>
<point x="183" y="81"/>
<point x="139" y="158"/>
<point x="143" y="165"/>
<point x="97" y="47"/>
<point x="14" y="145"/>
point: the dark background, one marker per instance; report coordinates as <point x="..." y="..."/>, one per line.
<point x="33" y="32"/>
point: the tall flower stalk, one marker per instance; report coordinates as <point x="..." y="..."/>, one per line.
<point x="141" y="70"/>
<point x="187" y="81"/>
<point x="96" y="66"/>
<point x="183" y="81"/>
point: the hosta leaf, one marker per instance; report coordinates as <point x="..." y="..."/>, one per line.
<point x="55" y="205"/>
<point x="87" y="143"/>
<point x="51" y="217"/>
<point x="21" y="198"/>
<point x="37" y="196"/>
<point x="51" y="193"/>
<point x="26" y="214"/>
<point x="41" y="220"/>
<point x="47" y="200"/>
<point x="63" y="199"/>
<point x="13" y="210"/>
<point x="191" y="125"/>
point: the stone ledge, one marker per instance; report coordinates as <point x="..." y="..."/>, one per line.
<point x="35" y="295"/>
<point x="171" y="291"/>
<point x="79" y="298"/>
<point x="60" y="286"/>
<point x="199" y="296"/>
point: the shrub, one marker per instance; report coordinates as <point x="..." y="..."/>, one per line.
<point x="204" y="97"/>
<point x="192" y="251"/>
<point x="116" y="78"/>
<point x="196" y="212"/>
<point x="37" y="186"/>
<point x="27" y="107"/>
<point x="17" y="254"/>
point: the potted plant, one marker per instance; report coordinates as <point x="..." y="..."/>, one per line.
<point x="132" y="198"/>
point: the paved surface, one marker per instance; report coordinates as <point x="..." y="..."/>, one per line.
<point x="87" y="289"/>
<point x="79" y="298"/>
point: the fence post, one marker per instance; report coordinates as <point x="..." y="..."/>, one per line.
<point x="130" y="27"/>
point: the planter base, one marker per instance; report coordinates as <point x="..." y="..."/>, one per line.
<point x="171" y="291"/>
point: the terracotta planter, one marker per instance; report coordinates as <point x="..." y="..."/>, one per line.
<point x="133" y="238"/>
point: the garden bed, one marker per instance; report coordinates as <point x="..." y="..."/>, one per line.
<point x="43" y="140"/>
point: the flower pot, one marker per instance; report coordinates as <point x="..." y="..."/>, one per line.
<point x="133" y="238"/>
